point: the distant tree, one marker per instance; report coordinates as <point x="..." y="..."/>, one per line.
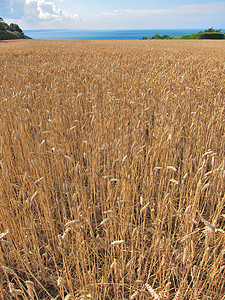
<point x="211" y="29"/>
<point x="4" y="26"/>
<point x="15" y="27"/>
<point x="157" y="37"/>
<point x="1" y="19"/>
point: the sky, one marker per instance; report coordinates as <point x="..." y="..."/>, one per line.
<point x="116" y="14"/>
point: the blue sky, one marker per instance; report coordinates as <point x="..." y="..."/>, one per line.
<point x="117" y="14"/>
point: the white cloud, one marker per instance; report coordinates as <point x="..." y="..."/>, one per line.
<point x="206" y="8"/>
<point x="55" y="14"/>
<point x="47" y="10"/>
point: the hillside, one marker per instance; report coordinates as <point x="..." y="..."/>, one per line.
<point x="10" y="32"/>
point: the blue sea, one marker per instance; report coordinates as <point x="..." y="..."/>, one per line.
<point x="70" y="34"/>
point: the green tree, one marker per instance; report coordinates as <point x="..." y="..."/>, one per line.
<point x="4" y="26"/>
<point x="15" y="27"/>
<point x="165" y="36"/>
<point x="211" y="29"/>
<point x="157" y="37"/>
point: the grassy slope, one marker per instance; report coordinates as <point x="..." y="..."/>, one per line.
<point x="126" y="140"/>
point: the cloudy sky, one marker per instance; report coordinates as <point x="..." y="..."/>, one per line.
<point x="116" y="14"/>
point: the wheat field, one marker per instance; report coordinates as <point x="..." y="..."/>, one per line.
<point x="112" y="170"/>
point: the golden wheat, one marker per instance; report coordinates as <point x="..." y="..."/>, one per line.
<point x="112" y="169"/>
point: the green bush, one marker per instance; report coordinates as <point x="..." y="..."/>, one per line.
<point x="211" y="35"/>
<point x="157" y="37"/>
<point x="165" y="36"/>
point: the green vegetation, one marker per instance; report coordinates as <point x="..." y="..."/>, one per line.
<point x="10" y="32"/>
<point x="159" y="37"/>
<point x="210" y="33"/>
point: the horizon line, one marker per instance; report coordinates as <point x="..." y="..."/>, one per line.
<point x="111" y="29"/>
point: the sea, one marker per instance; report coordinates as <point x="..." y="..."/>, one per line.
<point x="71" y="34"/>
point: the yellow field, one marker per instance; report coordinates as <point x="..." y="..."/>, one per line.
<point x="112" y="170"/>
